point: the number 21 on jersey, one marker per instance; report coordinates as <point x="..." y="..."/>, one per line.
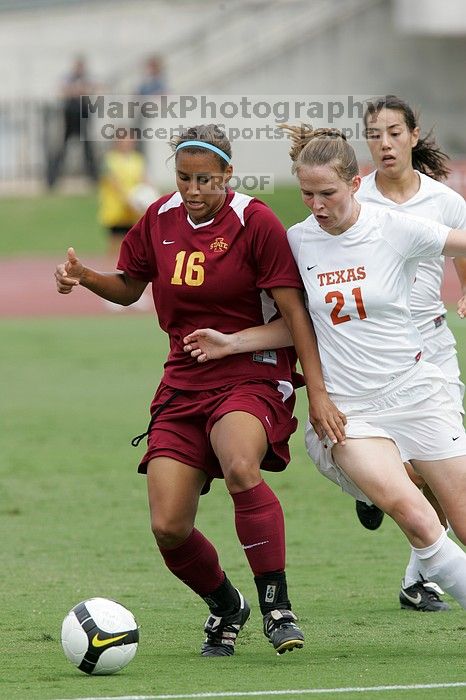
<point x="339" y="298"/>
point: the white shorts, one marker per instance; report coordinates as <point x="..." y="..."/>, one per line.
<point x="440" y="350"/>
<point x="416" y="411"/>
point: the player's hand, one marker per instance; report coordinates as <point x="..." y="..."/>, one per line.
<point x="206" y="344"/>
<point x="326" y="419"/>
<point x="68" y="274"/>
<point x="461" y="307"/>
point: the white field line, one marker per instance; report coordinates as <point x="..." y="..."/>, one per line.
<point x="283" y="693"/>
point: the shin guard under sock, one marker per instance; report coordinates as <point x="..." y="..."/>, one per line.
<point x="261" y="528"/>
<point x="195" y="562"/>
<point x="444" y="562"/>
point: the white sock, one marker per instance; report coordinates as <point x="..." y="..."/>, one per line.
<point x="444" y="562"/>
<point x="412" y="571"/>
<point x="413" y="568"/>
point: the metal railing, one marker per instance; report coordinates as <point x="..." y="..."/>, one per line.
<point x="32" y="132"/>
<point x="31" y="140"/>
<point x="23" y="144"/>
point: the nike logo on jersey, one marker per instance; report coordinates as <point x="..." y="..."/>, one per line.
<point x="256" y="544"/>
<point x="456" y="438"/>
<point x="97" y="642"/>
<point x="311" y="268"/>
<point x="167" y="242"/>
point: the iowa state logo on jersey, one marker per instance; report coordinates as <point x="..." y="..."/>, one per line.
<point x="218" y="245"/>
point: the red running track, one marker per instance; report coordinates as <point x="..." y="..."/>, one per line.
<point x="27" y="288"/>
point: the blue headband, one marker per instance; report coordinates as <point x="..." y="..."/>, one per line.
<point x="204" y="144"/>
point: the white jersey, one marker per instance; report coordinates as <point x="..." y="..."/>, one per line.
<point x="437" y="202"/>
<point x="358" y="287"/>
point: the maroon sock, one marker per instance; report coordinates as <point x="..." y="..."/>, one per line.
<point x="261" y="528"/>
<point x="195" y="562"/>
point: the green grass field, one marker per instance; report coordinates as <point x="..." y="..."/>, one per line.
<point x="74" y="525"/>
<point x="45" y="225"/>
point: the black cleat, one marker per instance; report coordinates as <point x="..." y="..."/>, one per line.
<point x="282" y="632"/>
<point x="223" y="631"/>
<point x="423" y="596"/>
<point x="369" y="516"/>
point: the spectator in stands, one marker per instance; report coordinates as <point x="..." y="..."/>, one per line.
<point x="75" y="121"/>
<point x="154" y="82"/>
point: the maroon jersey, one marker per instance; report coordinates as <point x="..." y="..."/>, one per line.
<point x="212" y="275"/>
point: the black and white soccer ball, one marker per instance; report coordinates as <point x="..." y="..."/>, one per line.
<point x="99" y="636"/>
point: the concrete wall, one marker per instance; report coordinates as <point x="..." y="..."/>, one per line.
<point x="38" y="46"/>
<point x="446" y="18"/>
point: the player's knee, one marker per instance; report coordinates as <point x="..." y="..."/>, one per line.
<point x="241" y="473"/>
<point x="415" y="516"/>
<point x="169" y="534"/>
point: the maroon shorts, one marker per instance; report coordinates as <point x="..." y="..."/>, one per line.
<point x="182" y="426"/>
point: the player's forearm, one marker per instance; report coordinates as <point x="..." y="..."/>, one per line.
<point x="460" y="267"/>
<point x="305" y="342"/>
<point x="298" y="321"/>
<point x="113" y="286"/>
<point x="267" y="337"/>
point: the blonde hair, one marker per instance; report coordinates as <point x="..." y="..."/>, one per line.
<point x="321" y="147"/>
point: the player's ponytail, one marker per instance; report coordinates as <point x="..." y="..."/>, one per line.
<point x="426" y="155"/>
<point x="325" y="146"/>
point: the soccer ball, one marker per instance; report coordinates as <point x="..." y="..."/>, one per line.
<point x="141" y="196"/>
<point x="99" y="636"/>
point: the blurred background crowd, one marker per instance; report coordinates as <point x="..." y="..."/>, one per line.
<point x="54" y="51"/>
